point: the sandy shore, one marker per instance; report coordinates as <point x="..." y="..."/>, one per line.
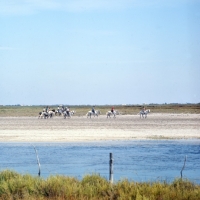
<point x="124" y="127"/>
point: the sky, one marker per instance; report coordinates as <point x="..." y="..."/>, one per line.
<point x="85" y="52"/>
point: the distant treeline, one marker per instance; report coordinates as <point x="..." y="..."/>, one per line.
<point x="90" y="105"/>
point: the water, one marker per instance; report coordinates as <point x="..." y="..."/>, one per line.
<point x="139" y="160"/>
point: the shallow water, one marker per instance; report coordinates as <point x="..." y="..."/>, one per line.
<point x="138" y="160"/>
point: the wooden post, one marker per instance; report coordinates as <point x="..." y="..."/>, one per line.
<point x="183" y="167"/>
<point x="38" y="161"/>
<point x="111" y="169"/>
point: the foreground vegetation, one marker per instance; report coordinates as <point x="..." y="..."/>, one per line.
<point x="17" y="186"/>
<point x="31" y="111"/>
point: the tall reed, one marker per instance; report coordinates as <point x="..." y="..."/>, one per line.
<point x="14" y="186"/>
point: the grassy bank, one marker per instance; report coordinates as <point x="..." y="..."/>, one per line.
<point x="17" y="186"/>
<point x="31" y="111"/>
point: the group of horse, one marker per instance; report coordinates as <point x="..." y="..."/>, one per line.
<point x="53" y="112"/>
<point x="109" y="114"/>
<point x="97" y="113"/>
<point x="90" y="114"/>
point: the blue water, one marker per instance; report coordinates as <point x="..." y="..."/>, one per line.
<point x="139" y="160"/>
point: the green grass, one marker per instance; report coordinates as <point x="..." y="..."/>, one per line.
<point x="16" y="186"/>
<point x="32" y="111"/>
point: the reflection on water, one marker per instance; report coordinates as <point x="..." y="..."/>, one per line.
<point x="138" y="160"/>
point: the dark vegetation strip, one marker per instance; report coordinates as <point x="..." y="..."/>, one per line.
<point x="17" y="186"/>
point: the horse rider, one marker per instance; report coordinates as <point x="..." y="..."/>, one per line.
<point x="67" y="110"/>
<point x="93" y="110"/>
<point x="58" y="109"/>
<point x="47" y="109"/>
<point x="143" y="109"/>
<point x="112" y="109"/>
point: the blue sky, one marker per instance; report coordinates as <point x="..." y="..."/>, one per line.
<point x="99" y="52"/>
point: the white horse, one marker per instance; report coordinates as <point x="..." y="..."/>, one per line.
<point x="43" y="114"/>
<point x="143" y="113"/>
<point x="59" y="112"/>
<point x="73" y="112"/>
<point x="95" y="113"/>
<point x="68" y="114"/>
<point x="46" y="115"/>
<point x="51" y="113"/>
<point x="114" y="113"/>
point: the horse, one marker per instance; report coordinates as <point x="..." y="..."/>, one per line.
<point x="143" y="113"/>
<point x="114" y="113"/>
<point x="68" y="114"/>
<point x="51" y="113"/>
<point x="73" y="112"/>
<point x="46" y="115"/>
<point x="40" y="115"/>
<point x="90" y="113"/>
<point x="59" y="112"/>
<point x="43" y="114"/>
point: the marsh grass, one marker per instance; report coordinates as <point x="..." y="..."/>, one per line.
<point x="16" y="186"/>
<point x="32" y="111"/>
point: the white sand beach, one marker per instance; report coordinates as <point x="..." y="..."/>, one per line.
<point x="83" y="129"/>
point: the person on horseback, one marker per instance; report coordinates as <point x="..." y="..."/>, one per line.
<point x="47" y="109"/>
<point x="58" y="109"/>
<point x="67" y="110"/>
<point x="112" y="109"/>
<point x="93" y="110"/>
